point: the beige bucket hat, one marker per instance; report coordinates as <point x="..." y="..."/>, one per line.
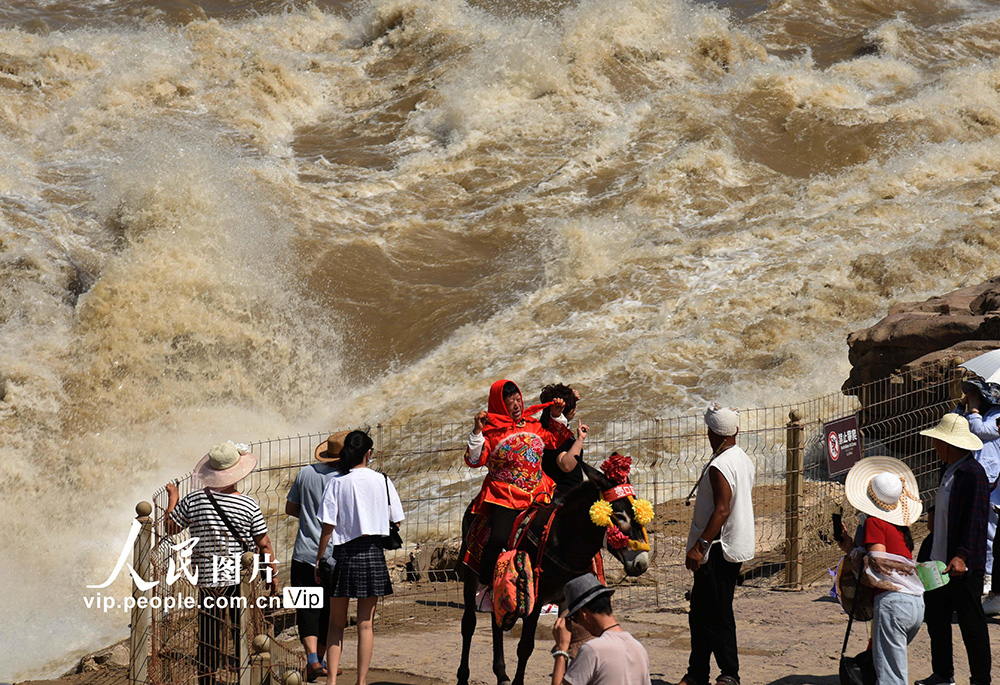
<point x="885" y="488"/>
<point x="329" y="449"/>
<point x="954" y="430"/>
<point x="224" y="465"/>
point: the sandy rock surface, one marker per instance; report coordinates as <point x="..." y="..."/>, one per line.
<point x="786" y="638"/>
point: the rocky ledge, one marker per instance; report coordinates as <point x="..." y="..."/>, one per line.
<point x="927" y="335"/>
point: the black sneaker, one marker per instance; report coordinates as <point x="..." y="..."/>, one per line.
<point x="935" y="679"/>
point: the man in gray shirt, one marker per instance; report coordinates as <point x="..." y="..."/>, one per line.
<point x="613" y="657"/>
<point x="303" y="502"/>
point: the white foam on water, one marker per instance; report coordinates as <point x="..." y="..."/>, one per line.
<point x="152" y="303"/>
<point x="634" y="197"/>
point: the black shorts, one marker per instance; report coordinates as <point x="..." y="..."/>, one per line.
<point x="311" y="622"/>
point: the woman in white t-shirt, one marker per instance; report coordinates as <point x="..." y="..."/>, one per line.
<point x="356" y="509"/>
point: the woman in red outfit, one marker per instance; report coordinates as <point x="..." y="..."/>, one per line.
<point x="509" y="442"/>
<point x="885" y="490"/>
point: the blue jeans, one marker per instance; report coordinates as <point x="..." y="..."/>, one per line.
<point x="897" y="619"/>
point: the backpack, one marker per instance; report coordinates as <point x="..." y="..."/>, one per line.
<point x="513" y="588"/>
<point x="859" y="669"/>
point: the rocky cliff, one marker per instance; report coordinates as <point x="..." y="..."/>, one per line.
<point x="927" y="335"/>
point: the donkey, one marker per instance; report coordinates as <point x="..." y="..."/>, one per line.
<point x="573" y="541"/>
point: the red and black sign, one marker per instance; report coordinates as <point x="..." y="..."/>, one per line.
<point x="843" y="444"/>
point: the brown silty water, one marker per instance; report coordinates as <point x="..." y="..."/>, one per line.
<point x="242" y="220"/>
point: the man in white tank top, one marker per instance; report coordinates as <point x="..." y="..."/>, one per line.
<point x="721" y="539"/>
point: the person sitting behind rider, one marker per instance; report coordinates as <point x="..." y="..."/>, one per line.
<point x="562" y="463"/>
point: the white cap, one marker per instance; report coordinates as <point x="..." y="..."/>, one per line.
<point x="722" y="421"/>
<point x="887" y="487"/>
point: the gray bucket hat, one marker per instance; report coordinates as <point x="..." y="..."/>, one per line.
<point x="990" y="392"/>
<point x="580" y="591"/>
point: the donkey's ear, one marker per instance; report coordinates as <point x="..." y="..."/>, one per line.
<point x="596" y="476"/>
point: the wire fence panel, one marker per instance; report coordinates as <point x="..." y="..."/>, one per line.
<point x="793" y="499"/>
<point x="191" y="640"/>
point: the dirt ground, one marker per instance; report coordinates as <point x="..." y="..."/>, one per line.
<point x="785" y="638"/>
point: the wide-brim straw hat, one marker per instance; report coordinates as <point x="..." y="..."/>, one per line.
<point x="224" y="465"/>
<point x="954" y="430"/>
<point x="885" y="488"/>
<point x="329" y="449"/>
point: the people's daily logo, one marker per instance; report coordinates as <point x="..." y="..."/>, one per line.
<point x="180" y="565"/>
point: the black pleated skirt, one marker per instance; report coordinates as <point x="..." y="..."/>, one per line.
<point x="360" y="569"/>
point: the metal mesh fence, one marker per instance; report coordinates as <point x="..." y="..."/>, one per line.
<point x="793" y="499"/>
<point x="194" y="642"/>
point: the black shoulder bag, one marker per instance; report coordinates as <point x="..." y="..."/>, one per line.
<point x="393" y="540"/>
<point x="244" y="545"/>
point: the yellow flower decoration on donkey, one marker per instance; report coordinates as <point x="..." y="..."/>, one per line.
<point x="600" y="513"/>
<point x="616" y="469"/>
<point x="643" y="510"/>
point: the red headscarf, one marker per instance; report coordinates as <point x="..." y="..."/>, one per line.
<point x="498" y="417"/>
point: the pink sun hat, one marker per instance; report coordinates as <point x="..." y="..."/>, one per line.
<point x="224" y="465"/>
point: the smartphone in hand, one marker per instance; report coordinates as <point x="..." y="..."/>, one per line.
<point x="838" y="528"/>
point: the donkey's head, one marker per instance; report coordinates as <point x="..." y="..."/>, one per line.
<point x="624" y="516"/>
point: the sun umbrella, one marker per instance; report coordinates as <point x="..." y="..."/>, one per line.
<point x="986" y="366"/>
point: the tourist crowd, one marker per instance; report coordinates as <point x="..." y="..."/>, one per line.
<point x="348" y="513"/>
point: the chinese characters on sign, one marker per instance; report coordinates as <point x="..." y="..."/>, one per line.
<point x="843" y="444"/>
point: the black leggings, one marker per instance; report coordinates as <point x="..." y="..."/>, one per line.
<point x="311" y="622"/>
<point x="501" y="522"/>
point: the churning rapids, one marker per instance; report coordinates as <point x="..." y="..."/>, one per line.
<point x="247" y="219"/>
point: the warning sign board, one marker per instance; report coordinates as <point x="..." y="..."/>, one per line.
<point x="843" y="444"/>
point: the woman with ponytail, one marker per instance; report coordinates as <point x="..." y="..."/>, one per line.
<point x="357" y="506"/>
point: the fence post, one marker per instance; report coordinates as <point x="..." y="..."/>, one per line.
<point x="795" y="456"/>
<point x="140" y="633"/>
<point x="260" y="667"/>
<point x="246" y="592"/>
<point x="955" y="379"/>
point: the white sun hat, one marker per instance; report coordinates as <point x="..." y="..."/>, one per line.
<point x="224" y="465"/>
<point x="885" y="488"/>
<point x="954" y="430"/>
